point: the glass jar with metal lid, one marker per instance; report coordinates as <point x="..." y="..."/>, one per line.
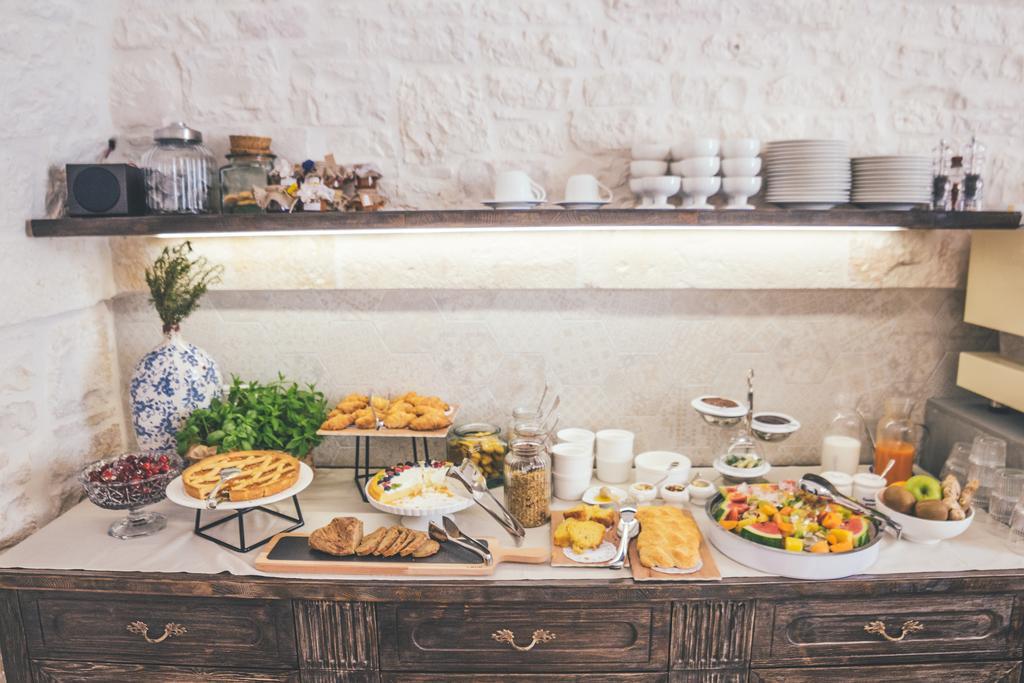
<point x="481" y="444"/>
<point x="179" y="171"/>
<point x="528" y="482"/>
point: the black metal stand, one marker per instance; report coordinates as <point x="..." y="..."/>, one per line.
<point x="240" y="516"/>
<point x="362" y="473"/>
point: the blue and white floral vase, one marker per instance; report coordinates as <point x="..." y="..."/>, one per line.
<point x="169" y="383"/>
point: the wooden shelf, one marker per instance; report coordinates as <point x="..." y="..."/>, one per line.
<point x="541" y="218"/>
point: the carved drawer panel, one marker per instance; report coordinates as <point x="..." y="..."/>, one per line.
<point x="87" y="672"/>
<point x="711" y="634"/>
<point x="529" y="638"/>
<point x="403" y="677"/>
<point x="954" y="672"/>
<point x="886" y="628"/>
<point x="249" y="634"/>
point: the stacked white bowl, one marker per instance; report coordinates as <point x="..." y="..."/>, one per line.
<point x="740" y="168"/>
<point x="698" y="162"/>
<point x="648" y="177"/>
<point x="572" y="462"/>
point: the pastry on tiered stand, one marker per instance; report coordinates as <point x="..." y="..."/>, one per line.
<point x="263" y="473"/>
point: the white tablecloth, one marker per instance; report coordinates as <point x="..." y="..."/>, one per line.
<point x="78" y="540"/>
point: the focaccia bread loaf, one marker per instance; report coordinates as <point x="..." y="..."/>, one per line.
<point x="668" y="538"/>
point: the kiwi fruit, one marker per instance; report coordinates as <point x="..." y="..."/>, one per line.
<point x="899" y="499"/>
<point x="934" y="510"/>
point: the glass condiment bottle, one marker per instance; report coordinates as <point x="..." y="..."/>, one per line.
<point x="974" y="170"/>
<point x="841" y="445"/>
<point x="482" y="444"/>
<point x="956" y="184"/>
<point x="179" y="171"/>
<point x="940" y="177"/>
<point x="523" y="415"/>
<point x="240" y="177"/>
<point x="528" y="482"/>
<point x="895" y="439"/>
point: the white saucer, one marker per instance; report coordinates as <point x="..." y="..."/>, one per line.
<point x="176" y="494"/>
<point x="581" y="206"/>
<point x="590" y="495"/>
<point x="513" y="206"/>
<point x="602" y="553"/>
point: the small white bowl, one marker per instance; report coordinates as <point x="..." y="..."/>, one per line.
<point x="740" y="473"/>
<point x="841" y="480"/>
<point x="696" y="147"/>
<point x="642" y="492"/>
<point x="666" y="185"/>
<point x="652" y="467"/>
<point x="647" y="169"/>
<point x="739" y="189"/>
<point x="699" y="189"/>
<point x="918" y="530"/>
<point x="743" y="167"/>
<point x="570" y="487"/>
<point x="590" y="495"/>
<point x="650" y="151"/>
<point x="671" y="496"/>
<point x="741" y="147"/>
<point x="696" y="167"/>
<point x="571" y="459"/>
<point x="700" y="490"/>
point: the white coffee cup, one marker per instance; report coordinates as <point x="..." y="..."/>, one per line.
<point x="615" y="444"/>
<point x="516" y="186"/>
<point x="586" y="188"/>
<point x="577" y="435"/>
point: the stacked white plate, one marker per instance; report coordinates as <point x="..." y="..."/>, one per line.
<point x="807" y="174"/>
<point x="896" y="183"/>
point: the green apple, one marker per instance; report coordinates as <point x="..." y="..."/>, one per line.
<point x="924" y="487"/>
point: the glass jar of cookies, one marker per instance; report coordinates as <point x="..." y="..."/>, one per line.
<point x="482" y="445"/>
<point x="528" y="482"/>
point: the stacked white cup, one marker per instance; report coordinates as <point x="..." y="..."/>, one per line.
<point x="614" y="455"/>
<point x="740" y="166"/>
<point x="572" y="462"/>
<point x="647" y="176"/>
<point x="697" y="161"/>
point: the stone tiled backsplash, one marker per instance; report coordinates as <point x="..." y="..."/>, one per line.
<point x="627" y="358"/>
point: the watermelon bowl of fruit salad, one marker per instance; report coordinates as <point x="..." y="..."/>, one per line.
<point x="783" y="530"/>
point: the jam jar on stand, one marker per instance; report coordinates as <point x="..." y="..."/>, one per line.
<point x="180" y="171"/>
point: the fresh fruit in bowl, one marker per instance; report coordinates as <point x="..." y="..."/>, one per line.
<point x="131" y="482"/>
<point x="924" y="487"/>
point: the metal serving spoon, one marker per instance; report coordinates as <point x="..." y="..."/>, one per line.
<point x="628" y="528"/>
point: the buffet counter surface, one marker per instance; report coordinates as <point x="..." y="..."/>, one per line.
<point x="77" y="540"/>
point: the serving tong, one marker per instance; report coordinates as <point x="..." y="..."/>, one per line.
<point x="469" y="476"/>
<point x="820" y="486"/>
<point x="452" y="534"/>
<point x="629" y="526"/>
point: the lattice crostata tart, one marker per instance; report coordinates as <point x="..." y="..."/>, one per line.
<point x="264" y="473"/>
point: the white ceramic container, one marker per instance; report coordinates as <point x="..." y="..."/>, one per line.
<point x="647" y="169"/>
<point x="653" y="466"/>
<point x="570" y="487"/>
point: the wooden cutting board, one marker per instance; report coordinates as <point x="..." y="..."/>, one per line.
<point x="559" y="559"/>
<point x="707" y="572"/>
<point x="290" y="553"/>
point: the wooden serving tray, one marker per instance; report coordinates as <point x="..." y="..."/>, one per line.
<point x="708" y="572"/>
<point x="290" y="553"/>
<point x="559" y="559"/>
<point x="406" y="433"/>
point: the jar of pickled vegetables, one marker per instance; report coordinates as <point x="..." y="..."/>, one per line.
<point x="482" y="445"/>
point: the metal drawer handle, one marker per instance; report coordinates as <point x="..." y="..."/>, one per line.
<point x="539" y="636"/>
<point x="909" y="626"/>
<point x="172" y="629"/>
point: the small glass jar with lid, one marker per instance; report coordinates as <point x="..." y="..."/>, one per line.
<point x="523" y="414"/>
<point x="245" y="172"/>
<point x="528" y="482"/>
<point x="481" y="444"/>
<point x="179" y="171"/>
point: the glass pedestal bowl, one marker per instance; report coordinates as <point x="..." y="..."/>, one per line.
<point x="131" y="481"/>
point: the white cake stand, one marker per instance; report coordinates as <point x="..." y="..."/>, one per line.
<point x="420" y="518"/>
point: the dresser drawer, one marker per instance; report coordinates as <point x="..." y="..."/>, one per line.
<point x="83" y="672"/>
<point x="951" y="672"/>
<point x="460" y="638"/>
<point x="202" y="632"/>
<point x="901" y="628"/>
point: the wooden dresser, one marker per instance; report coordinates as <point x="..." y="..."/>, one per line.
<point x="96" y="626"/>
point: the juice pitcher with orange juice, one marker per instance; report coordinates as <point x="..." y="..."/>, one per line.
<point x="897" y="438"/>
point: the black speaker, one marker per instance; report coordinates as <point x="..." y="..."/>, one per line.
<point x="106" y="190"/>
